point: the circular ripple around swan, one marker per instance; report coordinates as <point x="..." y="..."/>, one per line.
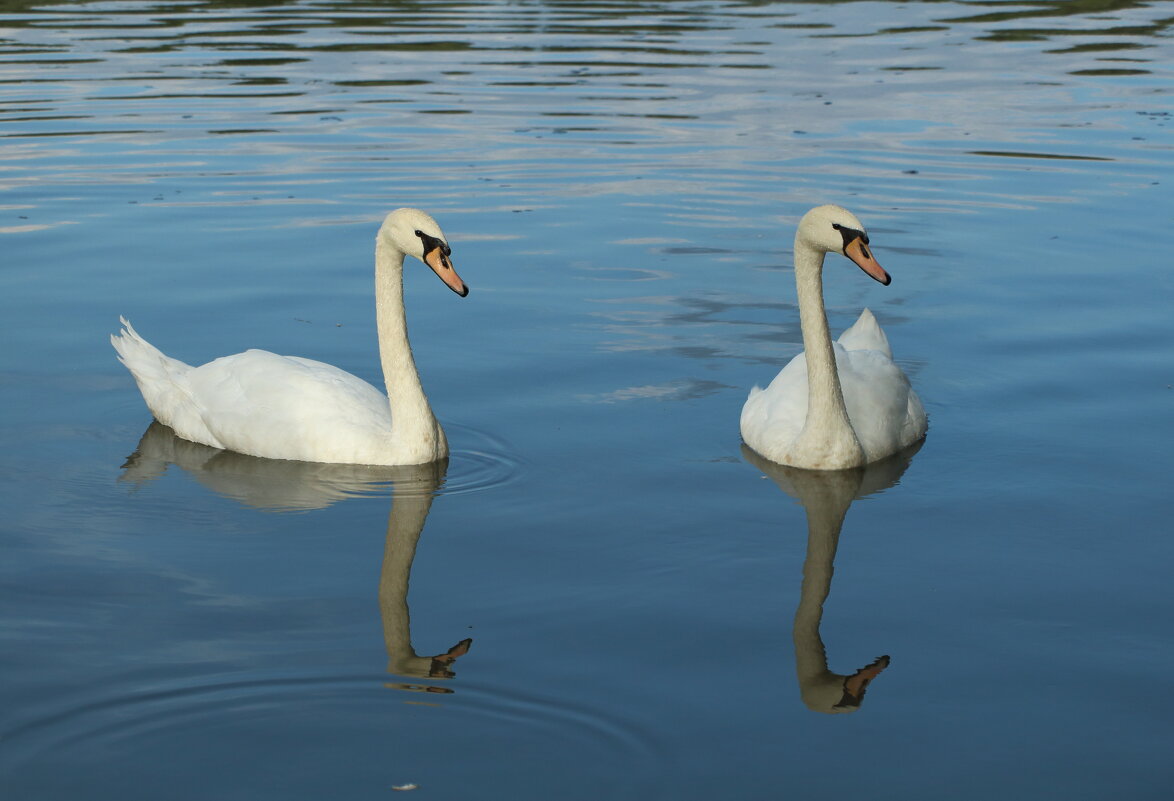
<point x="345" y="732"/>
<point x="477" y="461"/>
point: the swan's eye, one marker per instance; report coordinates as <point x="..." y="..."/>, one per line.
<point x="849" y="234"/>
<point x="432" y="243"/>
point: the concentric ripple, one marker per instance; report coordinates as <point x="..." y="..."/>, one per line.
<point x="478" y="461"/>
<point x="262" y="731"/>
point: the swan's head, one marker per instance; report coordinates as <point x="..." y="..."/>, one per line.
<point x="414" y="233"/>
<point x="834" y="229"/>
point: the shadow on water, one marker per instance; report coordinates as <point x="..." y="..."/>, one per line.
<point x="826" y="497"/>
<point x="283" y="485"/>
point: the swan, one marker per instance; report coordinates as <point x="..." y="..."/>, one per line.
<point x="284" y="407"/>
<point x="858" y="406"/>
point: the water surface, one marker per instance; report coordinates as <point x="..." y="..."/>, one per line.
<point x="600" y="595"/>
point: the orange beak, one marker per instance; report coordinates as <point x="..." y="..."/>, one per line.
<point x="440" y="264"/>
<point x="858" y="252"/>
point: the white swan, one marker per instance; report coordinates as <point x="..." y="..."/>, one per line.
<point x="285" y="407"/>
<point x="858" y="406"/>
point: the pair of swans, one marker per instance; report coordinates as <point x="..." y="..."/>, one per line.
<point x="838" y="405"/>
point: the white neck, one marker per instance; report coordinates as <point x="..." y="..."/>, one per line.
<point x="416" y="436"/>
<point x="827" y="431"/>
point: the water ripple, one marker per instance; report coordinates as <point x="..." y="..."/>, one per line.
<point x="478" y="461"/>
<point x="312" y="711"/>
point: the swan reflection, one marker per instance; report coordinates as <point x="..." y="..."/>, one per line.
<point x="282" y="485"/>
<point x="412" y="495"/>
<point x="273" y="484"/>
<point x="826" y="496"/>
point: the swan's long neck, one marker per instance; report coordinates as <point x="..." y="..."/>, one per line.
<point x="827" y="427"/>
<point x="416" y="435"/>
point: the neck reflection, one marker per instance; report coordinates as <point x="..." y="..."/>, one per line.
<point x="826" y="496"/>
<point x="283" y="485"/>
<point x="412" y="495"/>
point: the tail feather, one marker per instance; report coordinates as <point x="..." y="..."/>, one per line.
<point x="161" y="379"/>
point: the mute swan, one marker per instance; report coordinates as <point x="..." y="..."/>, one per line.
<point x="285" y="407"/>
<point x="858" y="406"/>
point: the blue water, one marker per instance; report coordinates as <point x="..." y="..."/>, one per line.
<point x="652" y="614"/>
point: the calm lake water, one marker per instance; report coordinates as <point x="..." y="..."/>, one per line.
<point x="608" y="598"/>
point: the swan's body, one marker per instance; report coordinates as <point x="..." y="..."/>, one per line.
<point x="838" y="404"/>
<point x="285" y="407"/>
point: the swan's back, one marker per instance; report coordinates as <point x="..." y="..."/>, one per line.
<point x="885" y="412"/>
<point x="262" y="404"/>
<point x="287" y="407"/>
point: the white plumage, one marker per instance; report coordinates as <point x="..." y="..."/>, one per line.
<point x="286" y="407"/>
<point x="838" y="404"/>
